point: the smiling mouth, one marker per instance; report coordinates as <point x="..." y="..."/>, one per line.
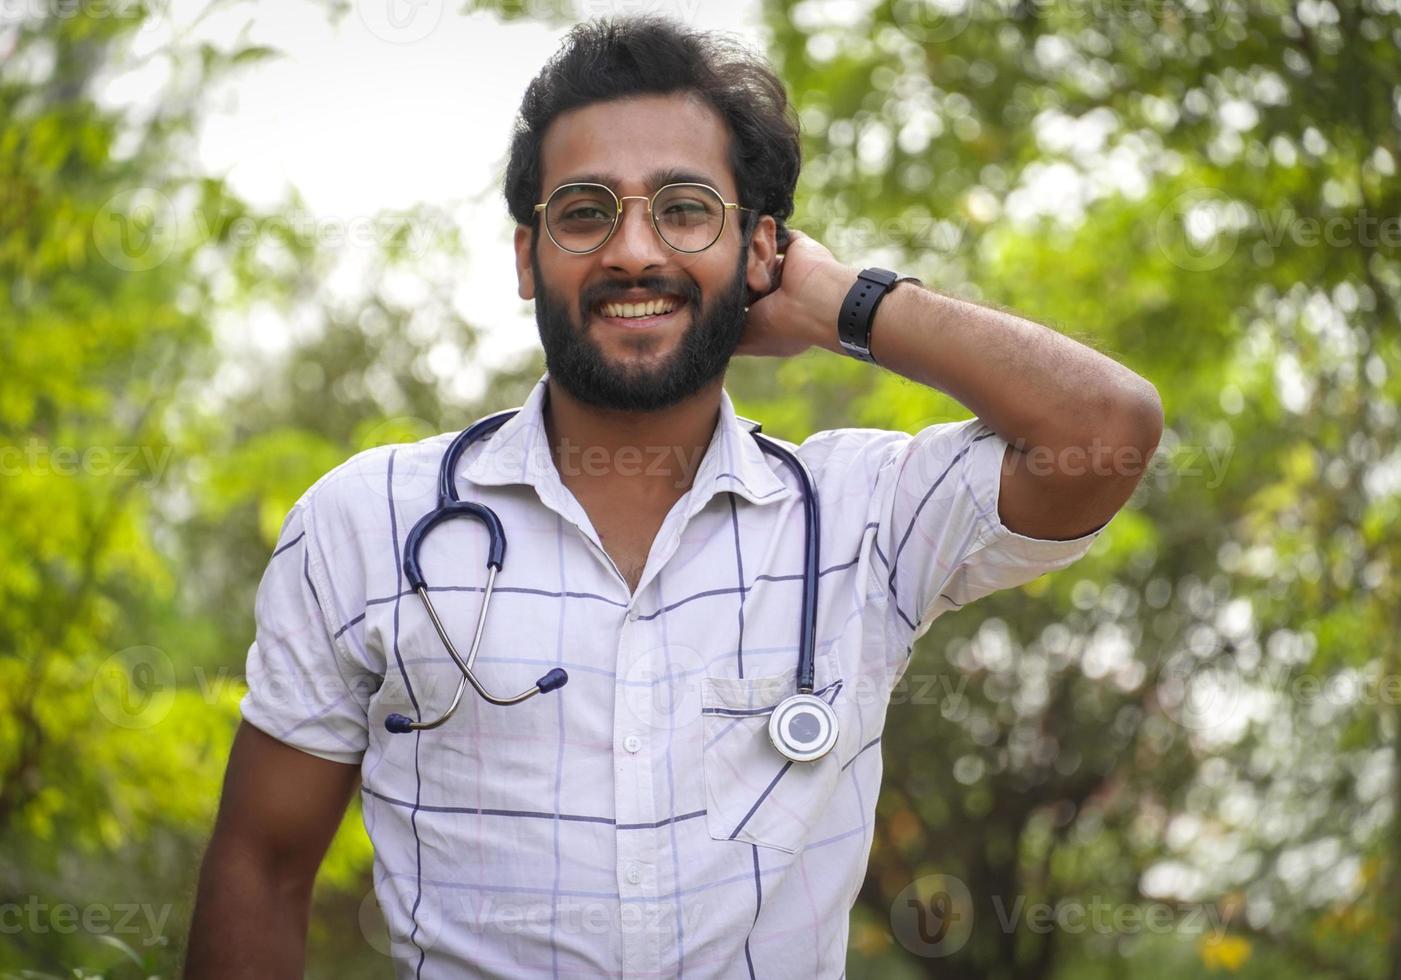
<point x="652" y="313"/>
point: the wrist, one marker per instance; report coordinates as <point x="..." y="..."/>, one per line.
<point x="833" y="283"/>
<point x="856" y="322"/>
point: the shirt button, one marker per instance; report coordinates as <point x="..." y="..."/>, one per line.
<point x="632" y="615"/>
<point x="632" y="743"/>
<point x="634" y="875"/>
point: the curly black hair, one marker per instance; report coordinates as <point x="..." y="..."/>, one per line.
<point x="603" y="60"/>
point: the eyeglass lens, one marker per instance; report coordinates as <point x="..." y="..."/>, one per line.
<point x="687" y="216"/>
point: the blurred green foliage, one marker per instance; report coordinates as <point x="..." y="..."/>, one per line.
<point x="1200" y="715"/>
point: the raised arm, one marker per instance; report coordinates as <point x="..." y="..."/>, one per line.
<point x="1080" y="427"/>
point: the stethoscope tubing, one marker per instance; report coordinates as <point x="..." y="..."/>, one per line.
<point x="811" y="542"/>
<point x="450" y="506"/>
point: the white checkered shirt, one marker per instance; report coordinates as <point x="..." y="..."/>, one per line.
<point x="636" y="822"/>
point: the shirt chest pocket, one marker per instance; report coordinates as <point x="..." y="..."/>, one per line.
<point x="753" y="793"/>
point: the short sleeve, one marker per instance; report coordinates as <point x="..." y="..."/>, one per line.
<point x="304" y="689"/>
<point x="940" y="543"/>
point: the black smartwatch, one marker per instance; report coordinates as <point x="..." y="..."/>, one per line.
<point x="859" y="309"/>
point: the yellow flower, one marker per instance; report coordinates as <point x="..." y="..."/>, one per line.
<point x="1224" y="952"/>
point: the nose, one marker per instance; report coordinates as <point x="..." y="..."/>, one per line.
<point x="635" y="246"/>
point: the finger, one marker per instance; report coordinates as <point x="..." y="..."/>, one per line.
<point x="775" y="274"/>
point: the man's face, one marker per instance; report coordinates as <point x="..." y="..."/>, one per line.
<point x="646" y="364"/>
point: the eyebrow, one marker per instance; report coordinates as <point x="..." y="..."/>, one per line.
<point x="654" y="179"/>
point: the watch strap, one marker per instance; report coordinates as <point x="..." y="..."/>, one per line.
<point x="859" y="309"/>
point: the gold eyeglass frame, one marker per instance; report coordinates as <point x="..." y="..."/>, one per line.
<point x="651" y="214"/>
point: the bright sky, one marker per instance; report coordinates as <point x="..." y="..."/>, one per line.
<point x="402" y="101"/>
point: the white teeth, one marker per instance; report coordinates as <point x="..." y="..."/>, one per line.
<point x="649" y="308"/>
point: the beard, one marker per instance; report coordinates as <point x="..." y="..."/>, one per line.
<point x="579" y="365"/>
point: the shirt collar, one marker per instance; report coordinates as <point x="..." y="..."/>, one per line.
<point x="519" y="453"/>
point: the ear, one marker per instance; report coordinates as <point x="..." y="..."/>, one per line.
<point x="761" y="271"/>
<point x="525" y="275"/>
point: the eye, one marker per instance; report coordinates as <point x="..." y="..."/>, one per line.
<point x="580" y="205"/>
<point x="586" y="212"/>
<point x="684" y="206"/>
<point x="686" y="211"/>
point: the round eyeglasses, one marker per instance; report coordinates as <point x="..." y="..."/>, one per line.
<point x="580" y="218"/>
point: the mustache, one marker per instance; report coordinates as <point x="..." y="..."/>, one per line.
<point x="610" y="292"/>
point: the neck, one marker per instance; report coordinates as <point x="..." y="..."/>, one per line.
<point x="642" y="454"/>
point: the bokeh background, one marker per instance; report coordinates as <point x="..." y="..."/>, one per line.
<point x="240" y="242"/>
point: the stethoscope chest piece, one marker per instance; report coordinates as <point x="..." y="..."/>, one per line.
<point x="803" y="727"/>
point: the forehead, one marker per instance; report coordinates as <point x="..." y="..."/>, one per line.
<point x="622" y="142"/>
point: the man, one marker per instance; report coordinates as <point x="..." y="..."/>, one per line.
<point x="641" y="821"/>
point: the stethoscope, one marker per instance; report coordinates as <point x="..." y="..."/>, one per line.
<point x="803" y="727"/>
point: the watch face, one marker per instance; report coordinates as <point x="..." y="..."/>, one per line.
<point x="803" y="727"/>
